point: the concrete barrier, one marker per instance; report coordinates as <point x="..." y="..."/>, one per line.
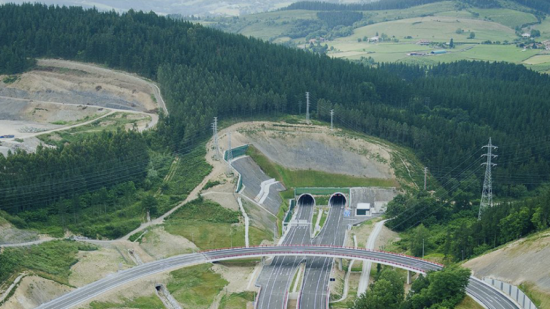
<point x="513" y="291"/>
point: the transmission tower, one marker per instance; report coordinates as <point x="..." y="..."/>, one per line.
<point x="487" y="195"/>
<point x="215" y="133"/>
<point x="307" y="107"/>
<point x="229" y="154"/>
<point x="331" y="119"/>
<point x="425" y="178"/>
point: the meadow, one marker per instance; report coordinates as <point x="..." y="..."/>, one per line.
<point x="436" y="22"/>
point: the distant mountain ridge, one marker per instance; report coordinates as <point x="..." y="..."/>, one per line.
<point x="182" y="7"/>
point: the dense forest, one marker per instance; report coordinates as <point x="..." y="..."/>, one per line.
<point x="329" y="25"/>
<point x="539" y="5"/>
<point x="450" y="227"/>
<point x="33" y="181"/>
<point x="443" y="113"/>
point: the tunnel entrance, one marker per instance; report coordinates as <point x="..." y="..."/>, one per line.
<point x="306" y="199"/>
<point x="337" y="199"/>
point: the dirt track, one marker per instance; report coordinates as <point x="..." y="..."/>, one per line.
<point x="59" y="95"/>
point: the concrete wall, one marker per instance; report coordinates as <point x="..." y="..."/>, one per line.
<point x="512" y="291"/>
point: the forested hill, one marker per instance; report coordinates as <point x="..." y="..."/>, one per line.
<point x="445" y="114"/>
<point x="539" y="5"/>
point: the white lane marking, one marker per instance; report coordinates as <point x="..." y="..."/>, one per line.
<point x="265" y="184"/>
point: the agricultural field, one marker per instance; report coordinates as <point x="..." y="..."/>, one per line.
<point x="507" y="17"/>
<point x="437" y="28"/>
<point x="273" y="24"/>
<point x="438" y="23"/>
<point x="544" y="29"/>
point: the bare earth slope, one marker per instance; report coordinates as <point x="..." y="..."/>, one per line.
<point x="59" y="94"/>
<point x="303" y="147"/>
<point x="522" y="261"/>
<point x="80" y="83"/>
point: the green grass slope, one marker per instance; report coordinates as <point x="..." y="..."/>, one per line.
<point x="210" y="226"/>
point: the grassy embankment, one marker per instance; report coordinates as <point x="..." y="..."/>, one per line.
<point x="192" y="287"/>
<point x="310" y="178"/>
<point x="211" y="226"/>
<point x="50" y="260"/>
<point x="540" y="298"/>
<point x="144" y="302"/>
<point x="236" y="300"/>
<point x="406" y="166"/>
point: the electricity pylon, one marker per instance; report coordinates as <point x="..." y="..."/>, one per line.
<point x="487" y="195"/>
<point x="307" y="107"/>
<point x="215" y="133"/>
<point x="229" y="155"/>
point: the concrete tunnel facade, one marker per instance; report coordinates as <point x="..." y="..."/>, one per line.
<point x="306" y="199"/>
<point x="338" y="198"/>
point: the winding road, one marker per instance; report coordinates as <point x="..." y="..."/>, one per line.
<point x="481" y="292"/>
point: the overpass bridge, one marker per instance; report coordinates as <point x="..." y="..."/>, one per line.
<point x="484" y="294"/>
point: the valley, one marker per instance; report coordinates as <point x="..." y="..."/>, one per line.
<point x="408" y="35"/>
<point x="164" y="164"/>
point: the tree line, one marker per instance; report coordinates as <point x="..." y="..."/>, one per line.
<point x="451" y="226"/>
<point x="33" y="181"/>
<point x="443" y="113"/>
<point x="337" y="18"/>
<point x="438" y="289"/>
<point x="539" y="5"/>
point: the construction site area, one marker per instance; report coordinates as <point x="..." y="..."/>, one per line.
<point x="287" y="184"/>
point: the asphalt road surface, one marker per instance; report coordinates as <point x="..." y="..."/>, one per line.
<point x="252" y="177"/>
<point x="489" y="296"/>
<point x="276" y="278"/>
<point x="315" y="293"/>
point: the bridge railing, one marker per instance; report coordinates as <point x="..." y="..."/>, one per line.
<point x="326" y="246"/>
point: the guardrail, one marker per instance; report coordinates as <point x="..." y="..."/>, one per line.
<point x="275" y="252"/>
<point x="123" y="277"/>
<point x="257" y="298"/>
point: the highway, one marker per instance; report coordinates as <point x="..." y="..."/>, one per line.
<point x="483" y="293"/>
<point x="276" y="278"/>
<point x="314" y="292"/>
